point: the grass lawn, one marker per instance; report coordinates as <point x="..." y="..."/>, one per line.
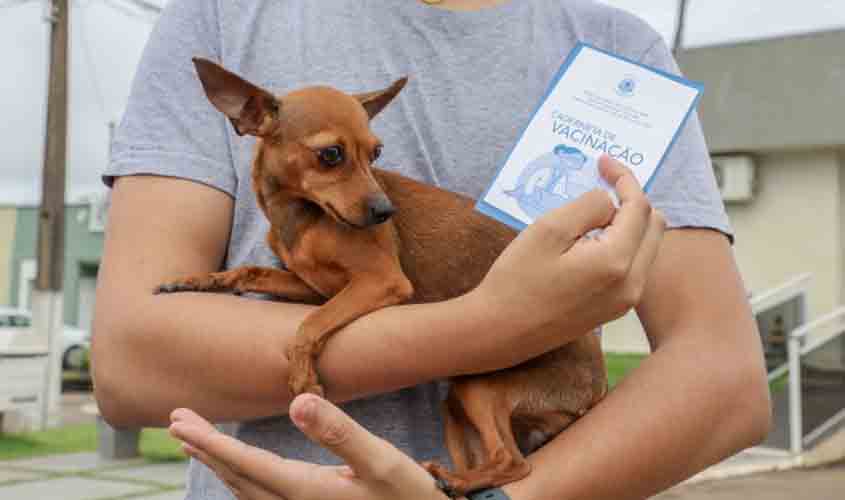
<point x="618" y="365"/>
<point x="156" y="444"/>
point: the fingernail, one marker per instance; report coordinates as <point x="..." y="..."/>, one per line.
<point x="176" y="415"/>
<point x="303" y="412"/>
<point x="174" y="428"/>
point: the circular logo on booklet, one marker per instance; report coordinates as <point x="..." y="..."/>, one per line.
<point x="627" y="87"/>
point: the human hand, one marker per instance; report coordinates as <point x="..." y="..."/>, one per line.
<point x="375" y="469"/>
<point x="553" y="277"/>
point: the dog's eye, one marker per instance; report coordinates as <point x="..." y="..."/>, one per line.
<point x="331" y="156"/>
<point x="377" y="152"/>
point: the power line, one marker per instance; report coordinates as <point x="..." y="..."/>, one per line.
<point x="144" y="10"/>
<point x="147" y="5"/>
<point x="14" y="3"/>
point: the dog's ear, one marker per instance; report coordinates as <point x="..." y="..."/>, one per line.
<point x="251" y="109"/>
<point x="376" y="101"/>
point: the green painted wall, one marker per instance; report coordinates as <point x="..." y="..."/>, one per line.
<point x="8" y="216"/>
<point x="26" y="236"/>
<point x="83" y="250"/>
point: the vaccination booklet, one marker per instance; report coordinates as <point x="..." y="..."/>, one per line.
<point x="597" y="104"/>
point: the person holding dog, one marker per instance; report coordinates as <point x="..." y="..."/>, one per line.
<point x="182" y="204"/>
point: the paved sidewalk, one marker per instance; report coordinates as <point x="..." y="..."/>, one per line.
<point x="84" y="476"/>
<point x="815" y="484"/>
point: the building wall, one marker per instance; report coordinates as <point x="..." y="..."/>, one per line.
<point x="768" y="95"/>
<point x="7" y="239"/>
<point x="26" y="240"/>
<point x="83" y="250"/>
<point x="793" y="226"/>
<point x="841" y="159"/>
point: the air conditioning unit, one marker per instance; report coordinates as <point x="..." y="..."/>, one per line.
<point x="735" y="176"/>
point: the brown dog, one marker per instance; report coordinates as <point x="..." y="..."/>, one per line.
<point x="330" y="215"/>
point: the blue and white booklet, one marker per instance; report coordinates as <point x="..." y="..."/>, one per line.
<point x="597" y="104"/>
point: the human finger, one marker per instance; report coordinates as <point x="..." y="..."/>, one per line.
<point x="274" y="473"/>
<point x="242" y="487"/>
<point x="325" y="424"/>
<point x="625" y="233"/>
<point x="640" y="269"/>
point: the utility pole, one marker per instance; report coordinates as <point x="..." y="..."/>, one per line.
<point x="48" y="300"/>
<point x="680" y="27"/>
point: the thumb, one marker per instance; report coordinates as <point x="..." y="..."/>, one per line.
<point x="325" y="424"/>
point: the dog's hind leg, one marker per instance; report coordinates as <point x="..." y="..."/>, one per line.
<point x="356" y="300"/>
<point x="248" y="279"/>
<point x="457" y="441"/>
<point x="501" y="461"/>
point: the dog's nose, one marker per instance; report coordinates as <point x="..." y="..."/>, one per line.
<point x="379" y="209"/>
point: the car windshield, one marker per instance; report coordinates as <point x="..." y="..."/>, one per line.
<point x="14" y="320"/>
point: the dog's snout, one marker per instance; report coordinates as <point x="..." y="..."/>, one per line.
<point x="379" y="209"/>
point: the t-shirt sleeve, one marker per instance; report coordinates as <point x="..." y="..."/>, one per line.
<point x="684" y="188"/>
<point x="169" y="127"/>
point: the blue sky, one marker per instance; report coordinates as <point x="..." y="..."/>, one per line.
<point x="106" y="42"/>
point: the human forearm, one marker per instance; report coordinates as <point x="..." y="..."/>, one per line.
<point x="655" y="430"/>
<point x="223" y="355"/>
<point x="219" y="353"/>
<point x="406" y="345"/>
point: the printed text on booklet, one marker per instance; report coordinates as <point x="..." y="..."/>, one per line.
<point x="597" y="104"/>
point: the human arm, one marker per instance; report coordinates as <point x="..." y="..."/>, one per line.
<point x="698" y="398"/>
<point x="702" y="394"/>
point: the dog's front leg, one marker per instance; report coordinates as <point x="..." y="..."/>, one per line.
<point x="248" y="279"/>
<point x="356" y="300"/>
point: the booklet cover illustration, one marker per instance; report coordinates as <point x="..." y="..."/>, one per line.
<point x="598" y="104"/>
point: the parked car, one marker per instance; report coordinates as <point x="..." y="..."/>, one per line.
<point x="75" y="342"/>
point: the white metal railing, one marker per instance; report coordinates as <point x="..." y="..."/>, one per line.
<point x="796" y="288"/>
<point x="804" y="339"/>
<point x="798" y="348"/>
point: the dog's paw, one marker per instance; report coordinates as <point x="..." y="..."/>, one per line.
<point x="305" y="385"/>
<point x="431" y="467"/>
<point x="446" y="481"/>
<point x="315" y="389"/>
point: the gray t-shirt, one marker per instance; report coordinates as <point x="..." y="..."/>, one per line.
<point x="475" y="78"/>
